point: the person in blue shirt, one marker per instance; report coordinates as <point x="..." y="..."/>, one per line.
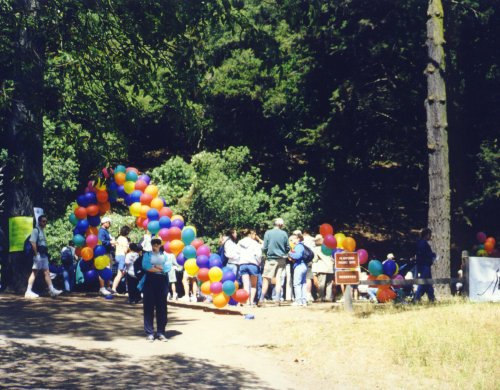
<point x="154" y="287"/>
<point x="299" y="270"/>
<point x="108" y="242"/>
<point x="425" y="257"/>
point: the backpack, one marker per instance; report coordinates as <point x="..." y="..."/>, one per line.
<point x="139" y="272"/>
<point x="28" y="249"/>
<point x="308" y="254"/>
<point x="222" y="256"/>
<point x="67" y="257"/>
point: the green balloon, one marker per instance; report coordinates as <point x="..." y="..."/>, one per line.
<point x="73" y="219"/>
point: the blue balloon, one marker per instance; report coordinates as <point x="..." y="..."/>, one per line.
<point x="165" y="222"/>
<point x="105" y="273"/>
<point x="99" y="250"/>
<point x="202" y="261"/>
<point x="154" y="227"/>
<point x="178" y="223"/>
<point x="136" y="196"/>
<point x="82" y="201"/>
<point x="375" y="267"/>
<point x="214" y="256"/>
<point x="76" y="231"/>
<point x="129" y="200"/>
<point x="83" y="225"/>
<point x="215" y="262"/>
<point x="90" y="275"/>
<point x="163" y="200"/>
<point x="112" y="199"/>
<point x="228" y="287"/>
<point x="181" y="259"/>
<point x="232" y="302"/>
<point x="389" y="267"/>
<point x="153" y="215"/>
<point x="113" y="187"/>
<point x="94" y="220"/>
<point x="91" y="197"/>
<point x="121" y="192"/>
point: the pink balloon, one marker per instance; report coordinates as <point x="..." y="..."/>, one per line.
<point x="163" y="233"/>
<point x="216" y="287"/>
<point x="166" y="246"/>
<point x="363" y="256"/>
<point x="91" y="240"/>
<point x="330" y="241"/>
<point x="399" y="277"/>
<point x="481" y="237"/>
<point x="145" y="223"/>
<point x="203" y="250"/>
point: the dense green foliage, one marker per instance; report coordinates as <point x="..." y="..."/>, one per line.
<point x="327" y="98"/>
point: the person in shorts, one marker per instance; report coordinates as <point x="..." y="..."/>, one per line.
<point x="276" y="248"/>
<point x="40" y="259"/>
<point x="250" y="259"/>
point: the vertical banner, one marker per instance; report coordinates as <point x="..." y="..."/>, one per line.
<point x="19" y="228"/>
<point x="484" y="279"/>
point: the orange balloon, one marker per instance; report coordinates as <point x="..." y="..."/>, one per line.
<point x="92" y="230"/>
<point x="383" y="277"/>
<point x="144" y="211"/>
<point x="349" y="244"/>
<point x="372" y="277"/>
<point x="385" y="295"/>
<point x="92" y="210"/>
<point x="87" y="253"/>
<point x="81" y="212"/>
<point x="157" y="204"/>
<point x="489" y="246"/>
<point x="220" y="300"/>
<point x="102" y="196"/>
<point x="120" y="178"/>
<point x="176" y="246"/>
<point x="205" y="287"/>
<point x="151" y="190"/>
<point x="103" y="207"/>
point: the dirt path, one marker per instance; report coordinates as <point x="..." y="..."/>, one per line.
<point x="90" y="342"/>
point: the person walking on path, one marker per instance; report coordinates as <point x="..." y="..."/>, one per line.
<point x="276" y="248"/>
<point x="122" y="243"/>
<point x="154" y="286"/>
<point x="108" y="242"/>
<point x="425" y="258"/>
<point x="40" y="259"/>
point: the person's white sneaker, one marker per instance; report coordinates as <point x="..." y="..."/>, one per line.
<point x="193" y="298"/>
<point x="295" y="303"/>
<point x="174" y="297"/>
<point x="31" y="295"/>
<point x="55" y="292"/>
<point x="310" y="298"/>
<point x="103" y="291"/>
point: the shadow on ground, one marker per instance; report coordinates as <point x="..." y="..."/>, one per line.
<point x="38" y="364"/>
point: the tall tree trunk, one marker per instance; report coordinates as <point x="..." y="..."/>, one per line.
<point x="24" y="170"/>
<point x="437" y="143"/>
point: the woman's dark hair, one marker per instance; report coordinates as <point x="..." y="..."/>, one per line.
<point x="229" y="234"/>
<point x="425" y="232"/>
<point x="300" y="237"/>
<point x="124" y="231"/>
<point x="134" y="247"/>
<point x="155" y="241"/>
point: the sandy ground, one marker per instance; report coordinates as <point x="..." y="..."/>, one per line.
<point x="83" y="341"/>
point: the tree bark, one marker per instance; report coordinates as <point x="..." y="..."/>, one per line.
<point x="24" y="170"/>
<point x="437" y="143"/>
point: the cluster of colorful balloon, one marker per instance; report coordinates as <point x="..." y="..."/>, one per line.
<point x="339" y="243"/>
<point x="486" y="246"/>
<point x="384" y="271"/>
<point x="152" y="214"/>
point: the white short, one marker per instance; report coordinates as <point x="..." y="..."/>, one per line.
<point x="43" y="263"/>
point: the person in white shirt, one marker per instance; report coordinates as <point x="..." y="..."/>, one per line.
<point x="249" y="263"/>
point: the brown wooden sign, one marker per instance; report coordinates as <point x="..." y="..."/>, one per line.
<point x="345" y="276"/>
<point x="346" y="260"/>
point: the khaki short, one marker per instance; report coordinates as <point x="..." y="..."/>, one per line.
<point x="43" y="263"/>
<point x="273" y="268"/>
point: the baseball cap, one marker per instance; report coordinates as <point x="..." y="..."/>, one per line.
<point x="390" y="256"/>
<point x="105" y="219"/>
<point x="279" y="222"/>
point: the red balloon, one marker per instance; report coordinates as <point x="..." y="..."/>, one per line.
<point x="240" y="296"/>
<point x="489" y="246"/>
<point x="166" y="212"/>
<point x="326" y="229"/>
<point x="174" y="233"/>
<point x="203" y="274"/>
<point x="330" y="241"/>
<point x="102" y="196"/>
<point x="92" y="210"/>
<point x="81" y="212"/>
<point x="132" y="169"/>
<point x="385" y="295"/>
<point x="139" y="221"/>
<point x="146" y="199"/>
<point x="140" y="185"/>
<point x="196" y="243"/>
<point x="492" y="240"/>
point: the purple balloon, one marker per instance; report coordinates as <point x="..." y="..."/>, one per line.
<point x="202" y="261"/>
<point x="90" y="275"/>
<point x="181" y="259"/>
<point x="91" y="197"/>
<point x="146" y="178"/>
<point x="481" y="237"/>
<point x="82" y="201"/>
<point x="232" y="302"/>
<point x="178" y="223"/>
<point x="228" y="275"/>
<point x="215" y="262"/>
<point x="121" y="192"/>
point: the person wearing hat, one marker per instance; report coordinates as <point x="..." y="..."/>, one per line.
<point x="108" y="242"/>
<point x="276" y="248"/>
<point x="322" y="269"/>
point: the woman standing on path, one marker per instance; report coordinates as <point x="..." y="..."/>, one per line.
<point x="232" y="251"/>
<point x="154" y="288"/>
<point x="122" y="244"/>
<point x="250" y="260"/>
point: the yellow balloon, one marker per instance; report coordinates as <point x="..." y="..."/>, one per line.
<point x="157" y="204"/>
<point x="176" y="247"/>
<point x="340" y="237"/>
<point x="205" y="288"/>
<point x="151" y="190"/>
<point x="135" y="209"/>
<point x="215" y="274"/>
<point x="101" y="187"/>
<point x="191" y="267"/>
<point x="129" y="187"/>
<point x="101" y="262"/>
<point x="220" y="300"/>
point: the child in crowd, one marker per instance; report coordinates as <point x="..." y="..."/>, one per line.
<point x="134" y="295"/>
<point x="172" y="277"/>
